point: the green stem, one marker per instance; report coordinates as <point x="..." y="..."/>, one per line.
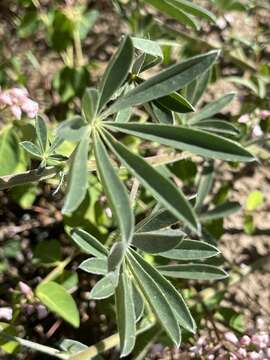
<point x="78" y="48"/>
<point x="28" y="177"/>
<point x="57" y="271"/>
<point x="105" y="345"/>
<point x="34" y="346"/>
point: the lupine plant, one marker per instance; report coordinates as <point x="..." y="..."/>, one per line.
<point x="137" y="264"/>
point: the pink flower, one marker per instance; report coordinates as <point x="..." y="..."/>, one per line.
<point x="5" y="98"/>
<point x="18" y="100"/>
<point x="30" y="107"/>
<point x="244" y="119"/>
<point x="261" y="340"/>
<point x="257" y="131"/>
<point x="230" y="336"/>
<point x="25" y="289"/>
<point x="16" y="111"/>
<point x="242" y="352"/>
<point x="245" y="340"/>
<point x="253" y="355"/>
<point x="6" y="313"/>
<point x="264" y="114"/>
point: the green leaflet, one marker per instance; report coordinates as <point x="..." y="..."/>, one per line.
<point x="58" y="300"/>
<point x="211" y="109"/>
<point x="205" y="184"/>
<point x="88" y="243"/>
<point x="148" y="47"/>
<point x="78" y="176"/>
<point x="138" y="303"/>
<point x="196" y="141"/>
<point x="218" y="126"/>
<point x="159" y="113"/>
<point x="193" y="272"/>
<point x="194" y="91"/>
<point x="220" y="211"/>
<point x="191" y="250"/>
<point x="98" y="266"/>
<point x="126" y="319"/>
<point x="42" y="135"/>
<point x="176" y="102"/>
<point x="90" y="104"/>
<point x="32" y="149"/>
<point x="115" y="191"/>
<point x="116" y="71"/>
<point x="160" y="187"/>
<point x="103" y="289"/>
<point x="173" y="297"/>
<point x="193" y="9"/>
<point x="157" y="241"/>
<point x="72" y="346"/>
<point x="73" y="129"/>
<point x="175" y="11"/>
<point x="116" y="256"/>
<point x="156" y="298"/>
<point x="157" y="220"/>
<point x="169" y="80"/>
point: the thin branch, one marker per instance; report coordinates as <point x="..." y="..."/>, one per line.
<point x="34" y="346"/>
<point x="36" y="175"/>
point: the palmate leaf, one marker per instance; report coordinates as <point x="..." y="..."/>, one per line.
<point x="160" y="187"/>
<point x="126" y="319"/>
<point x="139" y="268"/>
<point x="116" y="71"/>
<point x="169" y="80"/>
<point x="193" y="272"/>
<point x="179" y="137"/>
<point x="115" y="191"/>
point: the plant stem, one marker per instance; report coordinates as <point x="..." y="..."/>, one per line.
<point x="57" y="271"/>
<point x="134" y="191"/>
<point x="105" y="345"/>
<point x="36" y="175"/>
<point x="78" y="48"/>
<point x="34" y="346"/>
<point x="94" y="350"/>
